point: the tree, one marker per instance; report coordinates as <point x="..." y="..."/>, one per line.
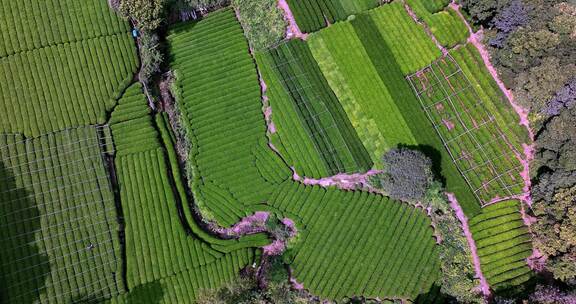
<point x="407" y="174"/>
<point x="150" y="56"/>
<point x="556" y="143"/>
<point x="263" y="22"/>
<point x="482" y="11"/>
<point x="538" y="85"/>
<point x="555" y="233"/>
<point x="515" y="14"/>
<point x="147" y="14"/>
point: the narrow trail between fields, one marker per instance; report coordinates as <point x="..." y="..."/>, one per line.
<point x="293" y="31"/>
<point x="427" y="29"/>
<point x="484" y="287"/>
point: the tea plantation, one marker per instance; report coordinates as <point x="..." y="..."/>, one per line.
<point x="120" y="189"/>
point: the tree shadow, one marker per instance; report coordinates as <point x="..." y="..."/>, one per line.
<point x="434" y="155"/>
<point x="434" y="295"/>
<point x="151" y="293"/>
<point x="23" y="268"/>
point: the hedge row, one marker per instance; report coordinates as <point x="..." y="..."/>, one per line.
<point x="312" y="15"/>
<point x="57" y="219"/>
<point x="312" y="128"/>
<point x="162" y="237"/>
<point x="26" y="25"/>
<point x="492" y="97"/>
<point x="63" y="86"/>
<point x="356" y="243"/>
<point x="503" y="243"/>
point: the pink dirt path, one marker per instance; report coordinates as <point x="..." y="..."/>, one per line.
<point x="426" y="28"/>
<point x="484" y="287"/>
<point x="293" y="31"/>
<point x="251" y="224"/>
<point x="342" y="180"/>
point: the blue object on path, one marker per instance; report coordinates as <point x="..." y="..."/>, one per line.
<point x="135" y="33"/>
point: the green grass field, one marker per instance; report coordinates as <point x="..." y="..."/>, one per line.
<point x="312" y="15"/>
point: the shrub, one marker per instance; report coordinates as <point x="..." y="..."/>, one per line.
<point x="150" y="56"/>
<point x="262" y="21"/>
<point x="407" y="174"/>
<point x="148" y="14"/>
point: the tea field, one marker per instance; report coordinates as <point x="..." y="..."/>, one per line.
<point x="114" y="190"/>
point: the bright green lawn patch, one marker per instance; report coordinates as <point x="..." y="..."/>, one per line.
<point x="408" y="42"/>
<point x="446" y="25"/>
<point x="309" y="120"/>
<point x="356" y="82"/>
<point x="312" y="15"/>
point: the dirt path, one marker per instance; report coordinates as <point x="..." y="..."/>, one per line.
<point x="293" y="31"/>
<point x="484" y="287"/>
<point x="426" y="28"/>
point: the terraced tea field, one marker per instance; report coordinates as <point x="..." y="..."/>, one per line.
<point x="118" y="190"/>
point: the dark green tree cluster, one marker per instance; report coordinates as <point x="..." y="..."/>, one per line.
<point x="146" y="14"/>
<point x="407" y="174"/>
<point x="263" y="22"/>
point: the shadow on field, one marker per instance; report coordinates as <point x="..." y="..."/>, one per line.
<point x="433" y="296"/>
<point x="23" y="269"/>
<point x="148" y="293"/>
<point x="434" y="155"/>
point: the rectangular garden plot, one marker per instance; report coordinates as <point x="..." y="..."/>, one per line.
<point x="58" y="226"/>
<point x="483" y="154"/>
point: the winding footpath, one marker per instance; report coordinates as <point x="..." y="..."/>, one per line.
<point x="484" y="287"/>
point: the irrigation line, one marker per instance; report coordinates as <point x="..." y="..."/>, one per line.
<point x="495" y="139"/>
<point x="29" y="144"/>
<point x="54" y="236"/>
<point x="444" y="98"/>
<point x="76" y="275"/>
<point x="53" y="249"/>
<point x="62" y="258"/>
<point x="44" y="168"/>
<point x="58" y="212"/>
<point x="52" y="156"/>
<point x="65" y="186"/>
<point x="67" y="131"/>
<point x="337" y="160"/>
<point x="444" y="142"/>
